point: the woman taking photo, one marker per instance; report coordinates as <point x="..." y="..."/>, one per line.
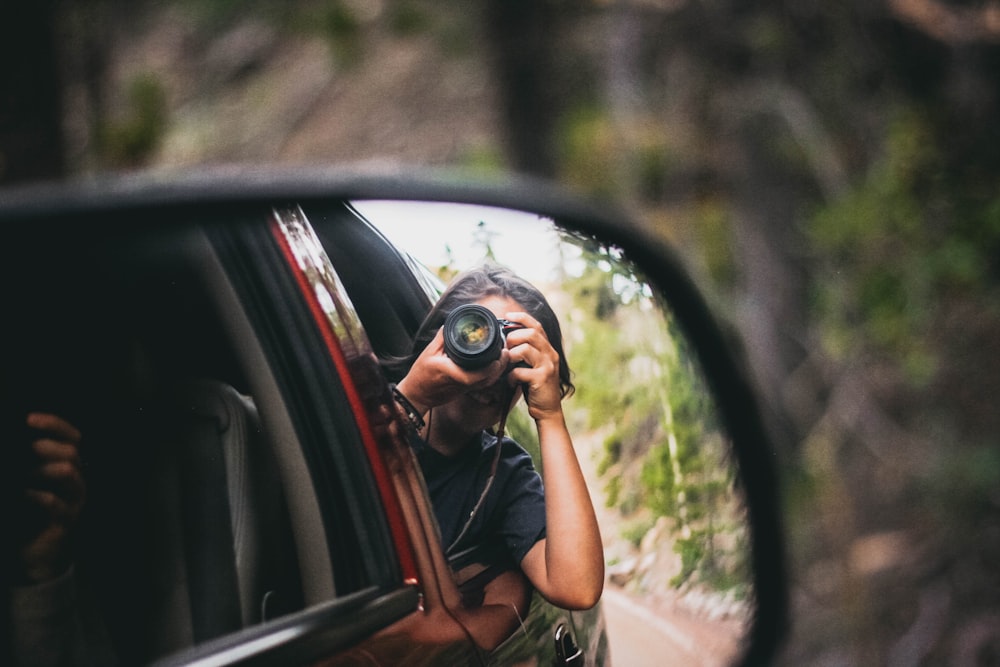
<point x="484" y="488"/>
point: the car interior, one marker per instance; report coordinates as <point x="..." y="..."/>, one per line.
<point x="186" y="533"/>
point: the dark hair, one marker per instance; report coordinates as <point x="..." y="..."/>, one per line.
<point x="488" y="279"/>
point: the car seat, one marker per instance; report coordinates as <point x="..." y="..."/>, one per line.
<point x="224" y="557"/>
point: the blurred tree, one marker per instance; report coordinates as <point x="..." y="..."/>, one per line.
<point x="523" y="36"/>
<point x="31" y="145"/>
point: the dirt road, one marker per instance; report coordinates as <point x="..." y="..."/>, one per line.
<point x="641" y="636"/>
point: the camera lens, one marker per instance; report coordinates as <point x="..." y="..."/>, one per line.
<point x="472" y="336"/>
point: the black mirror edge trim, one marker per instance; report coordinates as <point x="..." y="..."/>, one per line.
<point x="222" y="185"/>
<point x="726" y="372"/>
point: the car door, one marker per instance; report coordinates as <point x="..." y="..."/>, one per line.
<point x="430" y="634"/>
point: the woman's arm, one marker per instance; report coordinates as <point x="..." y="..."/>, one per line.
<point x="506" y="599"/>
<point x="567" y="567"/>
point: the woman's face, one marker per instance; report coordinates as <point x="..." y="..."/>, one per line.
<point x="481" y="409"/>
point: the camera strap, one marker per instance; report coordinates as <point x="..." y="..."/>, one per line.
<point x="493" y="473"/>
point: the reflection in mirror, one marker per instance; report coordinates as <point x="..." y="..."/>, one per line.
<point x="643" y="422"/>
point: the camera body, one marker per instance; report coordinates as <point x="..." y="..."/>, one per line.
<point x="474" y="336"/>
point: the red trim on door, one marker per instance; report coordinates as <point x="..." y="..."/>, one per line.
<point x="387" y="491"/>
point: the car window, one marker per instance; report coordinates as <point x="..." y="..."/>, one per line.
<point x="391" y="299"/>
<point x="211" y="505"/>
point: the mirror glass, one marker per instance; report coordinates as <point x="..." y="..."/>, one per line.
<point x="643" y="421"/>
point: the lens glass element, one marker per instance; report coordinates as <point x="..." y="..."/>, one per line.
<point x="472" y="336"/>
<point x="472" y="330"/>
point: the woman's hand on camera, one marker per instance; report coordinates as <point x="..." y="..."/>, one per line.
<point x="531" y="346"/>
<point x="434" y="379"/>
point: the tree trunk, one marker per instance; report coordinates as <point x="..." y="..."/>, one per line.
<point x="31" y="141"/>
<point x="523" y="35"/>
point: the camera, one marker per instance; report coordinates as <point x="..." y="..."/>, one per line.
<point x="474" y="337"/>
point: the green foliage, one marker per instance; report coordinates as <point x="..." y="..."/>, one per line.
<point x="701" y="558"/>
<point x="692" y="553"/>
<point x="521" y="427"/>
<point x="588" y="145"/>
<point x="653" y="168"/>
<point x="711" y="224"/>
<point x="612" y="453"/>
<point x="215" y="14"/>
<point x="613" y="492"/>
<point x="664" y="455"/>
<point x="407" y="18"/>
<point x="456" y="34"/>
<point x="658" y="481"/>
<point x="341" y="27"/>
<point x="636" y="529"/>
<point x="341" y="24"/>
<point x="899" y="245"/>
<point x="605" y="400"/>
<point x="482" y="161"/>
<point x="591" y="143"/>
<point x="133" y="139"/>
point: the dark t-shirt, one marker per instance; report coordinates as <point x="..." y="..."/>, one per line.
<point x="512" y="518"/>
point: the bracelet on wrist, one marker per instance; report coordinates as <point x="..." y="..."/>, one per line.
<point x="414" y="418"/>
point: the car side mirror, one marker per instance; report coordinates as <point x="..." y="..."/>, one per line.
<point x="665" y="414"/>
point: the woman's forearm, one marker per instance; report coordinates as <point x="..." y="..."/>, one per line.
<point x="573" y="555"/>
